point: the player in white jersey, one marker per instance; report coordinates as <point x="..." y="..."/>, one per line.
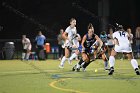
<point x="122" y="45"/>
<point x="69" y="35"/>
<point x="76" y="44"/>
<point x="26" y="47"/>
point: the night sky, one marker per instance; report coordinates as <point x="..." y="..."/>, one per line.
<point x="19" y="17"/>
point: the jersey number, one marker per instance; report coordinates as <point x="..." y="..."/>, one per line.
<point x="122" y="34"/>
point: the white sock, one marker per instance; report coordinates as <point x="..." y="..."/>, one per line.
<point x="74" y="55"/>
<point x="27" y="56"/>
<point x="105" y="64"/>
<point x="69" y="61"/>
<point x="23" y="55"/>
<point x="134" y="63"/>
<point x="111" y="61"/>
<point x="77" y="66"/>
<point x="63" y="61"/>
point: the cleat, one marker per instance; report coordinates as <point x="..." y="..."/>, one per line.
<point x="111" y="71"/>
<point x="139" y="66"/>
<point x="73" y="69"/>
<point x="137" y="71"/>
<point x="78" y="69"/>
<point x="61" y="66"/>
<point x="106" y="68"/>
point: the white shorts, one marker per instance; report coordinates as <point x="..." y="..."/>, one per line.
<point x="123" y="48"/>
<point x="68" y="43"/>
<point x="27" y="47"/>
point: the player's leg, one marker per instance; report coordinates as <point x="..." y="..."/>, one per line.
<point x="134" y="63"/>
<point x="74" y="55"/>
<point x="86" y="61"/>
<point x="112" y="61"/>
<point x="67" y="52"/>
<point x="23" y="54"/>
<point x="78" y="65"/>
<point x="82" y="60"/>
<point x="104" y="57"/>
<point x="84" y="65"/>
<point x="27" y="54"/>
<point x="60" y="51"/>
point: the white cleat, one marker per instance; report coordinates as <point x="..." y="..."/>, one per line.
<point x="61" y="67"/>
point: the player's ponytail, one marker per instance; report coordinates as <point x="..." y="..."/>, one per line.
<point x="90" y="26"/>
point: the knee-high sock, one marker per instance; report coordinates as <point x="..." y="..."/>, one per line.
<point x="86" y="64"/>
<point x="74" y="55"/>
<point x="69" y="61"/>
<point x="134" y="63"/>
<point x="23" y="55"/>
<point x="27" y="56"/>
<point x="105" y="64"/>
<point x="111" y="61"/>
<point x="79" y="63"/>
<point x="63" y="61"/>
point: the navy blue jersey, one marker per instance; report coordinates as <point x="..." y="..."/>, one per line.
<point x="89" y="41"/>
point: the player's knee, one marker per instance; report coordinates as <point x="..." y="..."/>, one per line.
<point x="104" y="58"/>
<point x="85" y="59"/>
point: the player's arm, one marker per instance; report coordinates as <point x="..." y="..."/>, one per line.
<point x="65" y="36"/>
<point x="79" y="37"/>
<point x="82" y="43"/>
<point x="100" y="42"/>
<point x="115" y="40"/>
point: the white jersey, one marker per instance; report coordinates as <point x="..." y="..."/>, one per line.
<point x="123" y="42"/>
<point x="26" y="44"/>
<point x="71" y="32"/>
<point x="71" y="36"/>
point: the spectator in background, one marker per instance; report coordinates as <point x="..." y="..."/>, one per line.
<point x="26" y="48"/>
<point x="60" y="44"/>
<point x="130" y="35"/>
<point x="40" y="41"/>
<point x="137" y="36"/>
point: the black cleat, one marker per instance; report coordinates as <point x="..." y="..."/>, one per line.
<point x="137" y="71"/>
<point x="74" y="68"/>
<point x="139" y="66"/>
<point x="111" y="71"/>
<point x="107" y="69"/>
<point x="78" y="69"/>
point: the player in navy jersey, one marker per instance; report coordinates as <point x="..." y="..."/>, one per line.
<point x="88" y="42"/>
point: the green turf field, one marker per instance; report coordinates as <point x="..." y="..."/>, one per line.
<point x="45" y="77"/>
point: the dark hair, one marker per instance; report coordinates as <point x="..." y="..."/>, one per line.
<point x="90" y="26"/>
<point x="103" y="32"/>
